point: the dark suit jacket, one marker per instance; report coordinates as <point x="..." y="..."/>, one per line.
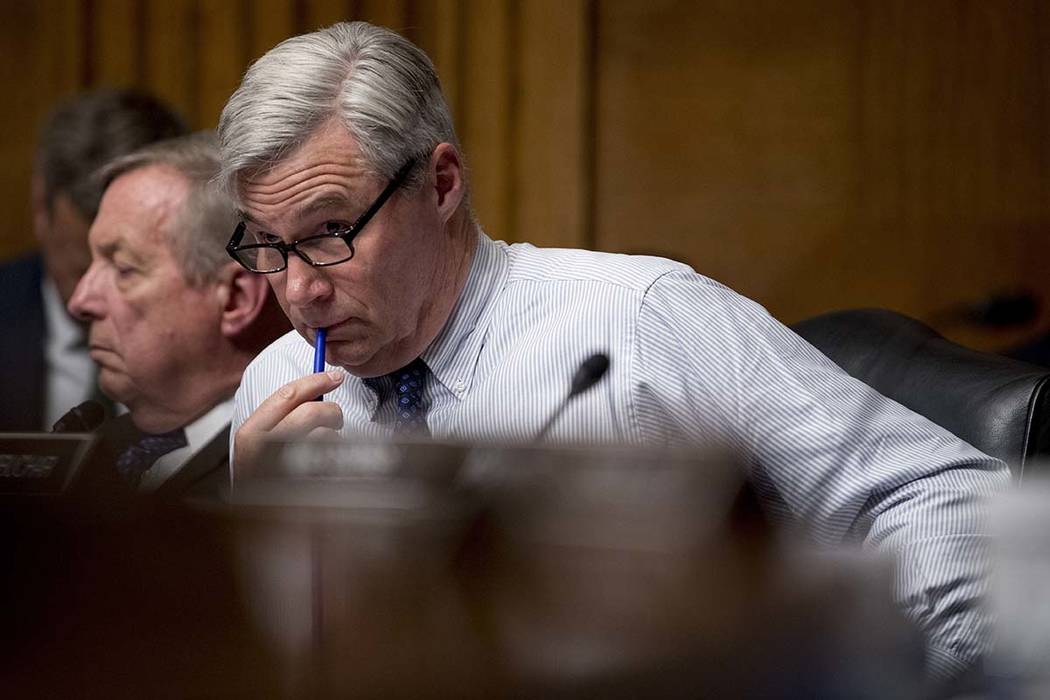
<point x="23" y="384"/>
<point x="205" y="478"/>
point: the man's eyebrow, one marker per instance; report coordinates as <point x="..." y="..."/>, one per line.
<point x="107" y="248"/>
<point x="245" y="216"/>
<point x="111" y="246"/>
<point x="325" y="201"/>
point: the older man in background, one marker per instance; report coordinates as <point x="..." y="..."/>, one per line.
<point x="44" y="365"/>
<point x="173" y="322"/>
<point x="341" y="153"/>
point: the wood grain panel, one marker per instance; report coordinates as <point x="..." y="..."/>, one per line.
<point x="171" y="54"/>
<point x="814" y="154"/>
<point x="269" y="23"/>
<point x="41" y="63"/>
<point x="822" y="155"/>
<point x="725" y="138"/>
<point x="549" y="105"/>
<point x="954" y="152"/>
<point x="485" y="117"/>
<point x="222" y="51"/>
<point x="323" y="13"/>
<point x="58" y="48"/>
<point x="116" y="41"/>
<point x="387" y="13"/>
<point x="436" y="26"/>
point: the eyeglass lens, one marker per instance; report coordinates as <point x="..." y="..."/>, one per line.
<point x="319" y="250"/>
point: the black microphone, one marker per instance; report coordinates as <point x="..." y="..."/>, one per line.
<point x="1004" y="310"/>
<point x="587" y="375"/>
<point x="1000" y="310"/>
<point x="81" y="419"/>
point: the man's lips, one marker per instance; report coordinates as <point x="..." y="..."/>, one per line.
<point x="102" y="354"/>
<point x="337" y="331"/>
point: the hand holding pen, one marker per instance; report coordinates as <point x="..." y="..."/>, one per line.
<point x="320" y="335"/>
<point x="293" y="411"/>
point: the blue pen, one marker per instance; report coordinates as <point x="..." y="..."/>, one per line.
<point x="319" y="338"/>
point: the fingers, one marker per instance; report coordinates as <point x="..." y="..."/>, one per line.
<point x="289" y="412"/>
<point x="321" y="433"/>
<point x="291" y="396"/>
<point x="309" y="416"/>
<point x="312" y="419"/>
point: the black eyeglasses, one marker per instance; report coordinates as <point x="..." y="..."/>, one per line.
<point x="330" y="248"/>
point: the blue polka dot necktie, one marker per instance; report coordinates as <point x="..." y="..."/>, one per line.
<point x="137" y="458"/>
<point x="409" y="383"/>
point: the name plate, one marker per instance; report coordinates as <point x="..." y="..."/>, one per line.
<point x="41" y="464"/>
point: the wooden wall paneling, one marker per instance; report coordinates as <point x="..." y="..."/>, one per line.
<point x="1037" y="237"/>
<point x="323" y="13"/>
<point x="813" y="155"/>
<point x="172" y="60"/>
<point x="954" y="168"/>
<point x="41" y="64"/>
<point x="1017" y="211"/>
<point x="117" y="42"/>
<point x="995" y="196"/>
<point x="222" y="52"/>
<point x="887" y="257"/>
<point x="550" y="104"/>
<point x="486" y="113"/>
<point x="1001" y="47"/>
<point x="725" y="137"/>
<point x="437" y="30"/>
<point x="392" y="14"/>
<point x="59" y="47"/>
<point x="18" y="124"/>
<point x="269" y="23"/>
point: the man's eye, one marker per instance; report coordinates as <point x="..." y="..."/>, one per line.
<point x="331" y="227"/>
<point x="269" y="238"/>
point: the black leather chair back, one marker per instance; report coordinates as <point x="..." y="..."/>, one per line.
<point x="999" y="405"/>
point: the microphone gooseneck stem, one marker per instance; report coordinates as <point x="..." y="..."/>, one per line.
<point x="587" y="375"/>
<point x="553" y="418"/>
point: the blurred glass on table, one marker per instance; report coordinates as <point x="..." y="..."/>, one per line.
<point x="434" y="569"/>
<point x="1020" y="590"/>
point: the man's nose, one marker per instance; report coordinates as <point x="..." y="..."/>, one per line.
<point x="86" y="303"/>
<point x="304" y="283"/>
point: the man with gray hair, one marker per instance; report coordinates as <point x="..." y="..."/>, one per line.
<point x="44" y="365"/>
<point x="173" y="322"/>
<point x="340" y="153"/>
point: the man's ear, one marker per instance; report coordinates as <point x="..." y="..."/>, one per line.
<point x="242" y="296"/>
<point x="449" y="187"/>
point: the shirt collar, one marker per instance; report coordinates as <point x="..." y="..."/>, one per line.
<point x="62" y="331"/>
<point x="452" y="357"/>
<point x="198" y="434"/>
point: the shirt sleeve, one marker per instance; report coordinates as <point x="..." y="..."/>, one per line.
<point x="240" y="413"/>
<point x="263" y="376"/>
<point x="828" y="454"/>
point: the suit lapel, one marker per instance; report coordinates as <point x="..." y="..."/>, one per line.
<point x="23" y="346"/>
<point x="211" y="458"/>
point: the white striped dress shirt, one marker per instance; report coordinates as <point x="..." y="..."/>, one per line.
<point x="693" y="363"/>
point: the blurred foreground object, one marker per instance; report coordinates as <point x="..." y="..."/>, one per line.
<point x="440" y="570"/>
<point x="1019" y="597"/>
<point x="38" y="466"/>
